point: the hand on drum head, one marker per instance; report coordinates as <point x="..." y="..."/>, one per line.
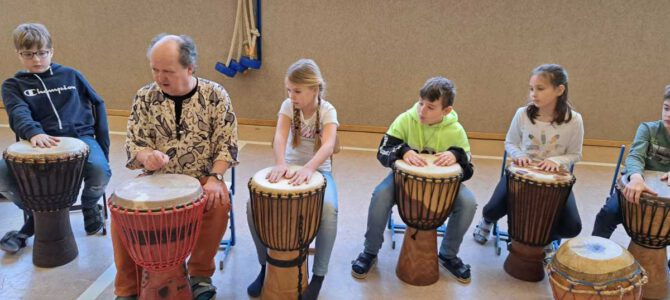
<point x="44" y="141"/>
<point x="635" y="188"/>
<point x="278" y="172"/>
<point x="522" y="161"/>
<point x="152" y="160"/>
<point x="446" y="158"/>
<point x="412" y="158"/>
<point x="216" y="194"/>
<point x="549" y="165"/>
<point x="665" y="178"/>
<point x="303" y="175"/>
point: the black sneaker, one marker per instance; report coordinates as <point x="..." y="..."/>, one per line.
<point x="93" y="221"/>
<point x="456" y="267"/>
<point x="362" y="264"/>
<point x="13" y="241"/>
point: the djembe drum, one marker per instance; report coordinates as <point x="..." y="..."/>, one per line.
<point x="158" y="218"/>
<point x="594" y="268"/>
<point x="286" y="219"/>
<point x="535" y="198"/>
<point x="424" y="196"/>
<point x="49" y="180"/>
<point x="648" y="225"/>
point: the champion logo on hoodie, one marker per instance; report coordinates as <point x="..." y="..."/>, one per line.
<point x="35" y="92"/>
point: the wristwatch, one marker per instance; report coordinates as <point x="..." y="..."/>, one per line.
<point x="216" y="175"/>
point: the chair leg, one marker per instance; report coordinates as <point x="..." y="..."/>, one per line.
<point x="227" y="244"/>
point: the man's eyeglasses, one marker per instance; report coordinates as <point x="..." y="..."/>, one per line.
<point x="30" y="54"/>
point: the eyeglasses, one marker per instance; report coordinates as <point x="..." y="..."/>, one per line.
<point x="41" y="54"/>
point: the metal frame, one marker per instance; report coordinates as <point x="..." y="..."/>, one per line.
<point x="226" y="244"/>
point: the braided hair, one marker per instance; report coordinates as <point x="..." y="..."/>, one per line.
<point x="306" y="72"/>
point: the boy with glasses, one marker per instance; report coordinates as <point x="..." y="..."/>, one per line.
<point x="47" y="101"/>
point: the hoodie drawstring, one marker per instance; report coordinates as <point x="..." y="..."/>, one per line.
<point x="60" y="125"/>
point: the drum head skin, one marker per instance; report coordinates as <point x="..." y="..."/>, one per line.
<point x="157" y="191"/>
<point x="592" y="258"/>
<point x="653" y="180"/>
<point x="282" y="187"/>
<point x="65" y="148"/>
<point x="533" y="173"/>
<point x="430" y="170"/>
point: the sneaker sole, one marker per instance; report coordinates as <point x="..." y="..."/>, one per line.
<point x="461" y="280"/>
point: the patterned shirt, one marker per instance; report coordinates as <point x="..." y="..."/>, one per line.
<point x="207" y="133"/>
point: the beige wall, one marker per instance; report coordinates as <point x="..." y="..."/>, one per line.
<point x="375" y="55"/>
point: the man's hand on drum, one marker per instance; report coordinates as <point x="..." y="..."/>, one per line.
<point x="549" y="165"/>
<point x="44" y="141"/>
<point x="635" y="188"/>
<point x="152" y="160"/>
<point x="413" y="158"/>
<point x="522" y="161"/>
<point x="446" y="158"/>
<point x="301" y="176"/>
<point x="278" y="172"/>
<point x="216" y="192"/>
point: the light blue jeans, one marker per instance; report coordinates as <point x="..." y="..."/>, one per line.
<point x="382" y="202"/>
<point x="325" y="238"/>
<point x="96" y="176"/>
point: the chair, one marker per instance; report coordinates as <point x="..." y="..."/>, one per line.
<point x="503" y="235"/>
<point x="622" y="149"/>
<point x="78" y="207"/>
<point x="401" y="227"/>
<point x="226" y="244"/>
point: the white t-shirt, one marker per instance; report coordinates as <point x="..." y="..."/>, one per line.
<point x="561" y="144"/>
<point x="305" y="150"/>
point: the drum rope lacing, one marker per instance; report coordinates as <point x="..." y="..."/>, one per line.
<point x="600" y="288"/>
<point x="642" y="232"/>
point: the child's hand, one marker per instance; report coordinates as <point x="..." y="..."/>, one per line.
<point x="635" y="188"/>
<point x="665" y="177"/>
<point x="446" y="158"/>
<point x="522" y="161"/>
<point x="278" y="172"/>
<point x="413" y="159"/>
<point x="301" y="176"/>
<point x="44" y="141"/>
<point x="549" y="166"/>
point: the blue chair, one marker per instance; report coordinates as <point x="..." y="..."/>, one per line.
<point x="622" y="149"/>
<point x="401" y="227"/>
<point x="503" y="236"/>
<point x="226" y="244"/>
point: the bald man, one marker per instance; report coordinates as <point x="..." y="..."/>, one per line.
<point x="181" y="124"/>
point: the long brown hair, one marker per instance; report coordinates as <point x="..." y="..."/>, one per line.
<point x="305" y="72"/>
<point x="557" y="76"/>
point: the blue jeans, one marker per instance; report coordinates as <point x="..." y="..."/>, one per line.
<point x="325" y="238"/>
<point x="383" y="199"/>
<point x="96" y="176"/>
<point x="567" y="225"/>
<point x="608" y="218"/>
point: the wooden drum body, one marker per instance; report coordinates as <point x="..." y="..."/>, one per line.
<point x="49" y="180"/>
<point x="594" y="268"/>
<point x="648" y="225"/>
<point x="425" y="197"/>
<point x="159" y="219"/>
<point x="534" y="200"/>
<point x="286" y="219"/>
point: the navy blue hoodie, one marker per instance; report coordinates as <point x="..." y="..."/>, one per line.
<point x="58" y="102"/>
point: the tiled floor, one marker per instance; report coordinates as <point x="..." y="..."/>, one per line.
<point x="356" y="173"/>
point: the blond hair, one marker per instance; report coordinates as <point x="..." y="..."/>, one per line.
<point x="307" y="73"/>
<point x="28" y="35"/>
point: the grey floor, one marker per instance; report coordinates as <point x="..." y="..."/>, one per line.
<point x="356" y="174"/>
